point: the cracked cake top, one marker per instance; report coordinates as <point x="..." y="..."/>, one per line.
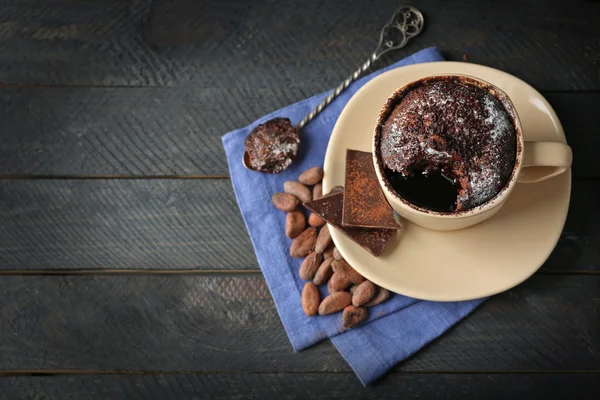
<point x="460" y="129"/>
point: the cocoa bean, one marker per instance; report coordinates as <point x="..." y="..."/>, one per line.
<point x="310" y="299"/>
<point x="352" y="287"/>
<point x="381" y="295"/>
<point x="336" y="189"/>
<point x="344" y="269"/>
<point x="339" y="282"/>
<point x="317" y="191"/>
<point x="323" y="239"/>
<point x="311" y="176"/>
<point x="285" y="201"/>
<point x="315" y="220"/>
<point x="353" y="316"/>
<point x="304" y="244"/>
<point x="310" y="265"/>
<point x="335" y="302"/>
<point x="337" y="255"/>
<point x="295" y="223"/>
<point x="324" y="272"/>
<point x="299" y="190"/>
<point x="328" y="253"/>
<point x="363" y="293"/>
<point x="331" y="289"/>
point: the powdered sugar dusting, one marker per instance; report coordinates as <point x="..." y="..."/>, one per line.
<point x="497" y="118"/>
<point x="272" y="146"/>
<point x="455" y="127"/>
<point x="482" y="186"/>
<point x="433" y="152"/>
<point x="278" y="149"/>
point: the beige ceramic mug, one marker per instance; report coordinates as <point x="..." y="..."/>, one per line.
<point x="535" y="162"/>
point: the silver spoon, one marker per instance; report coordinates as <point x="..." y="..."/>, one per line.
<point x="406" y="23"/>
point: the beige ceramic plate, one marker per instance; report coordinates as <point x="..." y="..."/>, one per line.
<point x="479" y="261"/>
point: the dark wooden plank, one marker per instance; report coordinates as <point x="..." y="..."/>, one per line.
<point x="302" y="386"/>
<point x="578" y="247"/>
<point x="284" y="44"/>
<point x="177" y="131"/>
<point x="229" y="324"/>
<point x="124" y="131"/>
<point x="151" y="224"/>
<point x="181" y="224"/>
<point x="573" y="111"/>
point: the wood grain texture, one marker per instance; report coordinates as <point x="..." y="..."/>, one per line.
<point x="122" y="224"/>
<point x="229" y="324"/>
<point x="182" y="224"/>
<point x="284" y="386"/>
<point x="85" y="131"/>
<point x="177" y="131"/>
<point x="277" y="44"/>
<point x="147" y="88"/>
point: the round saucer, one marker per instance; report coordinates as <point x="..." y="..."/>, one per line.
<point x="479" y="261"/>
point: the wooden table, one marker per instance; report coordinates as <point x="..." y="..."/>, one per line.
<point x="126" y="268"/>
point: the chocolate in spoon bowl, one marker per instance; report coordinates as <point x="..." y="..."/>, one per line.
<point x="272" y="147"/>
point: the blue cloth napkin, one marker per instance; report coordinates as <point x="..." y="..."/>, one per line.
<point x="397" y="328"/>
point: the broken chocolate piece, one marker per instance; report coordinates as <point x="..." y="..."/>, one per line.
<point x="271" y="147"/>
<point x="365" y="204"/>
<point x="330" y="209"/>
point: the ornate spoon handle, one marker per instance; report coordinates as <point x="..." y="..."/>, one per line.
<point x="406" y="23"/>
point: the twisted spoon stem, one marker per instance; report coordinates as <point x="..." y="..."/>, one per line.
<point x="336" y="92"/>
<point x="408" y="21"/>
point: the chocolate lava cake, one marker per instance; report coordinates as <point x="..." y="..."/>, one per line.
<point x="445" y="125"/>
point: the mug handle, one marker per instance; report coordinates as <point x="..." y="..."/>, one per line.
<point x="544" y="160"/>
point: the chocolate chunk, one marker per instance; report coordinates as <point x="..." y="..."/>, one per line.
<point x="365" y="204"/>
<point x="330" y="209"/>
<point x="271" y="147"/>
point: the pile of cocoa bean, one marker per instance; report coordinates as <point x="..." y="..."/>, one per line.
<point x="349" y="291"/>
